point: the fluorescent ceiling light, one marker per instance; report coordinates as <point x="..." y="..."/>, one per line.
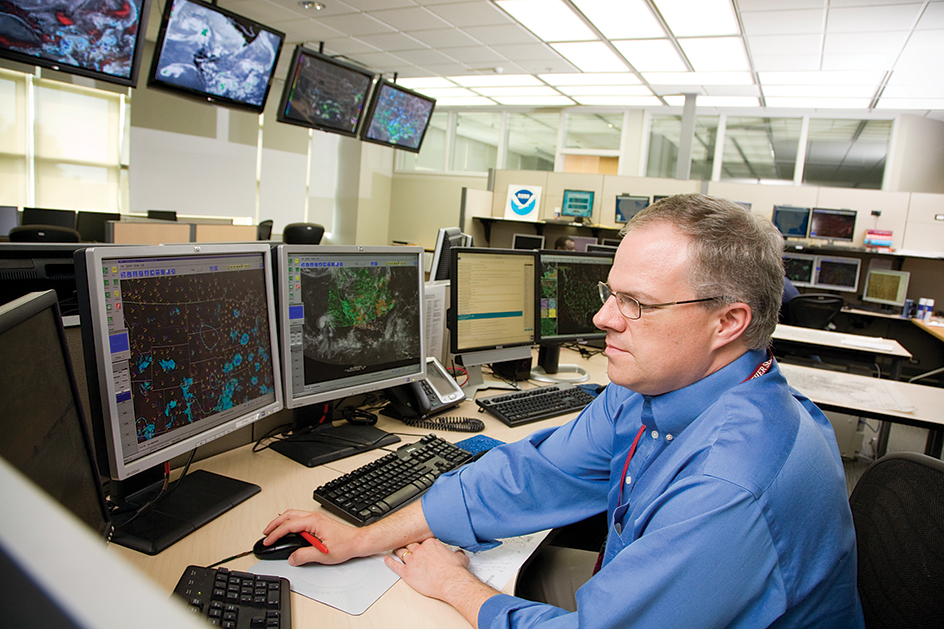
<point x="910" y="103"/>
<point x="551" y="20"/>
<point x="446" y="92"/>
<point x="820" y="78"/>
<point x="619" y="101"/>
<point x="605" y="90"/>
<point x="651" y="55"/>
<point x="697" y="18"/>
<point x="819" y="103"/>
<point x="716" y="54"/>
<point x="726" y="101"/>
<point x="820" y="91"/>
<point x="494" y="80"/>
<point x="625" y="19"/>
<point x="591" y="78"/>
<point x="472" y="101"/>
<point x="425" y="82"/>
<point x="535" y="100"/>
<point x="590" y="56"/>
<point x="698" y="78"/>
<point x="517" y="91"/>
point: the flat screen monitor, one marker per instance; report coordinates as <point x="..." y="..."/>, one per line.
<point x="27" y="267"/>
<point x="93" y="226"/>
<point x="837" y="273"/>
<point x="446" y="239"/>
<point x="492" y="316"/>
<point x="44" y="430"/>
<point x="209" y="53"/>
<point x="611" y="242"/>
<point x="793" y="222"/>
<point x="48" y="216"/>
<point x="887" y="287"/>
<point x="582" y="242"/>
<point x="324" y="93"/>
<point x="9" y="218"/>
<point x="398" y="117"/>
<point x="799" y="268"/>
<point x="162" y="215"/>
<point x="181" y="348"/>
<point x="568" y="298"/>
<point x="628" y="206"/>
<point x="99" y="40"/>
<point x="577" y="204"/>
<point x="611" y="249"/>
<point x="527" y="241"/>
<point x="833" y="224"/>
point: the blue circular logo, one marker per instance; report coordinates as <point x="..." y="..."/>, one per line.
<point x="523" y="202"/>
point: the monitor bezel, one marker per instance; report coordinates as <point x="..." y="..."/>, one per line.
<point x="792" y="209"/>
<point x="839" y="287"/>
<point x="566" y="209"/>
<point x="559" y="339"/>
<point x="841" y="212"/>
<point x="156" y="82"/>
<point x="379" y="87"/>
<point x="439" y="268"/>
<point x="283" y="253"/>
<point x="516" y="239"/>
<point x="103" y="399"/>
<point x="904" y="276"/>
<point x="802" y="256"/>
<point x="99" y="75"/>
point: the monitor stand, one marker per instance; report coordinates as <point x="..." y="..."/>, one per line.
<point x="549" y="368"/>
<point x="316" y="441"/>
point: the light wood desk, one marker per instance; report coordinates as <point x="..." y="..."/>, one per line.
<point x="789" y="336"/>
<point x="286" y="484"/>
<point x="937" y="331"/>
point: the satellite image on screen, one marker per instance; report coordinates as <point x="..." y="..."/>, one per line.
<point x="359" y="320"/>
<point x="399" y="118"/>
<point x="199" y="346"/>
<point x="325" y="94"/>
<point x="97" y="35"/>
<point x="210" y="52"/>
<point x="569" y="297"/>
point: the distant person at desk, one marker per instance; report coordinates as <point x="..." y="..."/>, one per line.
<point x="724" y="489"/>
<point x="565" y="243"/>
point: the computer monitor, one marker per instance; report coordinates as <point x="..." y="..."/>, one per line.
<point x="602" y="248"/>
<point x="27" y="267"/>
<point x="48" y="216"/>
<point x="43" y="426"/>
<point x="582" y="242"/>
<point x="886" y="287"/>
<point x="446" y="239"/>
<point x="162" y="215"/>
<point x="92" y="226"/>
<point x="181" y="348"/>
<point x="611" y="242"/>
<point x="577" y="204"/>
<point x="397" y="117"/>
<point x="628" y="206"/>
<point x="793" y="222"/>
<point x="527" y="241"/>
<point x="492" y="316"/>
<point x="799" y="268"/>
<point x="9" y="218"/>
<point x="837" y="273"/>
<point x="833" y="225"/>
<point x="568" y="298"/>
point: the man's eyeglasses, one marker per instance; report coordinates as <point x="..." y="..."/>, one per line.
<point x="630" y="308"/>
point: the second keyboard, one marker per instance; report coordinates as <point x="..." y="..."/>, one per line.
<point x="522" y="407"/>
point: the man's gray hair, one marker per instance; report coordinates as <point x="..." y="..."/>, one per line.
<point x="735" y="254"/>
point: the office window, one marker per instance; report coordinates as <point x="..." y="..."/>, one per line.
<point x="432" y="155"/>
<point x="703" y="147"/>
<point x="664" y="136"/>
<point x="476" y="145"/>
<point x="532" y="141"/>
<point x="593" y="131"/>
<point x="13" y="127"/>
<point x="760" y="149"/>
<point x="847" y="153"/>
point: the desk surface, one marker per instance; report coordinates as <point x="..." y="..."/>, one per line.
<point x="840" y="340"/>
<point x="935" y="329"/>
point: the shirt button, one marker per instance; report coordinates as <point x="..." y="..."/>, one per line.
<point x="619" y="529"/>
<point x="669" y="437"/>
<point x="655" y="434"/>
<point x="629" y="479"/>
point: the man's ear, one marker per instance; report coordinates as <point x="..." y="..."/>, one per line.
<point x="732" y="320"/>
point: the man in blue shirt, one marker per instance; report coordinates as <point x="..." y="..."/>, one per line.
<point x="724" y="491"/>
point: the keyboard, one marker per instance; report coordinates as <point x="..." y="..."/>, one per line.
<point x="237" y="600"/>
<point x="522" y="407"/>
<point x="381" y="487"/>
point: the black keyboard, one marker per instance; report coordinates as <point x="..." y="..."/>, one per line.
<point x="372" y="491"/>
<point x="531" y="405"/>
<point x="238" y="600"/>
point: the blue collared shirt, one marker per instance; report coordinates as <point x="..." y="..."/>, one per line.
<point x="734" y="510"/>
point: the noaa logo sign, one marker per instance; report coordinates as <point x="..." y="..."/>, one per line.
<point x="523" y="202"/>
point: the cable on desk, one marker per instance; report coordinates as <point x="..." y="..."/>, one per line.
<point x="166" y="490"/>
<point x="455" y="424"/>
<point x="228" y="559"/>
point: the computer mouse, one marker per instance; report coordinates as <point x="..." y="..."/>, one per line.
<point x="281" y="548"/>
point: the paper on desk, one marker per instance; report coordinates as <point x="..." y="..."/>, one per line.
<point x="873" y="393"/>
<point x="497" y="566"/>
<point x="869" y="342"/>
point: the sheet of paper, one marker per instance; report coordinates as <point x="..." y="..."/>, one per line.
<point x="874" y="393"/>
<point x="351" y="587"/>
<point x="869" y="343"/>
<point x="497" y="566"/>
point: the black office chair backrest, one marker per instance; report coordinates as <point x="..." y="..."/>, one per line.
<point x="302" y="233"/>
<point x="898" y="509"/>
<point x="43" y="233"/>
<point x="813" y="310"/>
<point x="264" y="230"/>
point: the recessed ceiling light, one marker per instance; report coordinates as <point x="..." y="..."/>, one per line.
<point x="308" y="4"/>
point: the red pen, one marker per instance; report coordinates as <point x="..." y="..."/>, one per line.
<point x="314" y="541"/>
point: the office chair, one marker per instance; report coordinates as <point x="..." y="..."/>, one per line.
<point x="43" y="233"/>
<point x="813" y="310"/>
<point x="302" y="234"/>
<point x="264" y="230"/>
<point x="898" y="509"/>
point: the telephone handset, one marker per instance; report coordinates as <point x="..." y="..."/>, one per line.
<point x="420" y="399"/>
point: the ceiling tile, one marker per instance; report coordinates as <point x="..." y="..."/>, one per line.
<point x="356" y="24"/>
<point x="786" y="63"/>
<point x="376" y="5"/>
<point x="393" y="42"/>
<point x="475" y="55"/>
<point x="784" y="44"/>
<point x="444" y="38"/>
<point x="875" y="19"/>
<point x="306" y="30"/>
<point x="533" y="52"/>
<point x="933" y="17"/>
<point x="778" y="5"/>
<point x="860" y="61"/>
<point x="506" y="34"/>
<point x="468" y="14"/>
<point x="347" y="46"/>
<point x="411" y="18"/>
<point x="427" y="57"/>
<point x="783" y="22"/>
<point x="540" y="66"/>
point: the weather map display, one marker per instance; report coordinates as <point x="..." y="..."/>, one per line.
<point x="398" y="117"/>
<point x="568" y="293"/>
<point x="208" y="52"/>
<point x="352" y="317"/>
<point x="189" y="342"/>
<point x="97" y="38"/>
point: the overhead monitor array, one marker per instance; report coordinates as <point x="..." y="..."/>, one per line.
<point x="833" y="225"/>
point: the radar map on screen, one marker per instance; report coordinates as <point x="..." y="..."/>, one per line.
<point x="359" y="319"/>
<point x="199" y="346"/>
<point x="324" y="94"/>
<point x="399" y="117"/>
<point x="569" y="297"/>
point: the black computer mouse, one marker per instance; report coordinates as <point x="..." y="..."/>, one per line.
<point x="281" y="548"/>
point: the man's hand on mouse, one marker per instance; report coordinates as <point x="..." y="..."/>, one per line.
<point x="340" y="539"/>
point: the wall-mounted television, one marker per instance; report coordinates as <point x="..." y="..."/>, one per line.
<point x="833" y="224"/>
<point x="397" y="117"/>
<point x="99" y="40"/>
<point x="207" y="52"/>
<point x="325" y="94"/>
<point x="628" y="206"/>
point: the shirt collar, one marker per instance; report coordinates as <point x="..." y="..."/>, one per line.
<point x="675" y="410"/>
